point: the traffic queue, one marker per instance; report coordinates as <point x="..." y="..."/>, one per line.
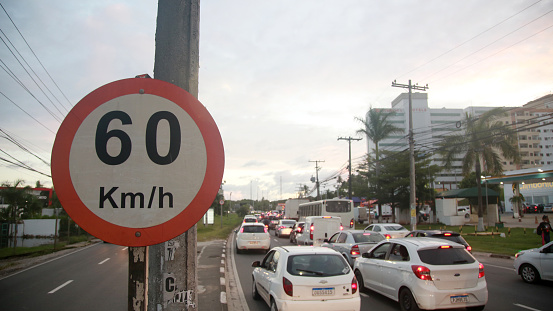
<point x="326" y="266"/>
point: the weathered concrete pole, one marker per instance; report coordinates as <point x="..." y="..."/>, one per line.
<point x="172" y="265"/>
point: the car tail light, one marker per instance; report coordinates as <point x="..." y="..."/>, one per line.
<point x="387" y="236"/>
<point x="469" y="248"/>
<point x="281" y="227"/>
<point x="266" y="229"/>
<point x="341" y="227"/>
<point x="445" y="246"/>
<point x="447" y="234"/>
<point x="355" y="250"/>
<point x="480" y="270"/>
<point x="311" y="232"/>
<point x="354" y="285"/>
<point x="351" y="223"/>
<point x="288" y="287"/>
<point x="242" y="230"/>
<point x="422" y="272"/>
<point x="300" y="229"/>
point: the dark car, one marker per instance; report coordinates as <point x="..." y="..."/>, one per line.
<point x="296" y="229"/>
<point x="441" y="234"/>
<point x="533" y="208"/>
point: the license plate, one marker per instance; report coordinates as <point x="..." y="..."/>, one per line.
<point x="254" y="242"/>
<point x="326" y="291"/>
<point x="459" y="298"/>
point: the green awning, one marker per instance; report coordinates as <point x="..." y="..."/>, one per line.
<point x="467" y="193"/>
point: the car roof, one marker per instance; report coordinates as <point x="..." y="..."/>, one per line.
<point x="436" y="231"/>
<point x="386" y="224"/>
<point x="426" y="242"/>
<point x="293" y="250"/>
<point x="253" y="224"/>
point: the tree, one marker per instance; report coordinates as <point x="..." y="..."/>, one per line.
<point x="18" y="199"/>
<point x="481" y="143"/>
<point x="377" y="128"/>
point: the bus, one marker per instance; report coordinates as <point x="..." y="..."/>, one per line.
<point x="342" y="208"/>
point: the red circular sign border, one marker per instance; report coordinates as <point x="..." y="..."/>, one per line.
<point x="137" y="236"/>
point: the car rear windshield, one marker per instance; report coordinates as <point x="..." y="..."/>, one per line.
<point x="453" y="238"/>
<point x="445" y="256"/>
<point x="394" y="228"/>
<point x="367" y="237"/>
<point x="253" y="229"/>
<point x="288" y="222"/>
<point x="250" y="220"/>
<point x="317" y="265"/>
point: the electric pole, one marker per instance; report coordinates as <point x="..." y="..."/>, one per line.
<point x="349" y="139"/>
<point x="317" y="168"/>
<point x="172" y="278"/>
<point x="413" y="199"/>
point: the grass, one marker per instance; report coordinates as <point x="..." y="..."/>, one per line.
<point x="216" y="231"/>
<point x="515" y="239"/>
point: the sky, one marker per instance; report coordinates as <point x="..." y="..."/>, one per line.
<point x="283" y="79"/>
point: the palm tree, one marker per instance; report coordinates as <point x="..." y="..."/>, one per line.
<point x="377" y="128"/>
<point x="481" y="144"/>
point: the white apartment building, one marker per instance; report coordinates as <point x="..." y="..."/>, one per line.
<point x="430" y="125"/>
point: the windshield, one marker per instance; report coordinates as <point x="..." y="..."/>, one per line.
<point x="317" y="265"/>
<point x="338" y="206"/>
<point x="288" y="222"/>
<point x="253" y="229"/>
<point x="395" y="228"/>
<point x="445" y="256"/>
<point x="367" y="237"/>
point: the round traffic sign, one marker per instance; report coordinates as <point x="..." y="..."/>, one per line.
<point x="137" y="162"/>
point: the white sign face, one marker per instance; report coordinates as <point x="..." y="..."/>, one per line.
<point x="137" y="192"/>
<point x="137" y="162"/>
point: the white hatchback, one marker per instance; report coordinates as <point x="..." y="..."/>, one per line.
<point x="424" y="273"/>
<point x="389" y="231"/>
<point x="305" y="278"/>
<point x="252" y="235"/>
<point x="535" y="264"/>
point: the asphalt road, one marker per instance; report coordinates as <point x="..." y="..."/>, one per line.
<point x="89" y="279"/>
<point x="506" y="290"/>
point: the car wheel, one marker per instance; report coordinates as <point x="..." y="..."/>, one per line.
<point x="407" y="301"/>
<point x="238" y="251"/>
<point x="360" y="283"/>
<point x="255" y="294"/>
<point x="529" y="274"/>
<point x="273" y="305"/>
<point x="479" y="308"/>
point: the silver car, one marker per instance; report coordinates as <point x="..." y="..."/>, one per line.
<point x="352" y="243"/>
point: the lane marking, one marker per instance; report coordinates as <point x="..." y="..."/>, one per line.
<point x="101" y="262"/>
<point x="59" y="287"/>
<point x="525" y="307"/>
<point x="43" y="263"/>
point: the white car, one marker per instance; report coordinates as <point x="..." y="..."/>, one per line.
<point x="305" y="278"/>
<point x="424" y="273"/>
<point x="284" y="227"/>
<point x="535" y="264"/>
<point x="389" y="231"/>
<point x="252" y="235"/>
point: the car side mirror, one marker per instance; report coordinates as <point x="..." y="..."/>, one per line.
<point x="325" y="240"/>
<point x="366" y="255"/>
<point x="256" y="264"/>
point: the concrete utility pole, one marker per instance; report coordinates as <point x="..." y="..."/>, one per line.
<point x="317" y="168"/>
<point x="349" y="139"/>
<point x="413" y="199"/>
<point x="172" y="265"/>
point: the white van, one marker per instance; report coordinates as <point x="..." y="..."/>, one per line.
<point x="319" y="228"/>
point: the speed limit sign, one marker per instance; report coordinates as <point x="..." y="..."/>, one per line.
<point x="137" y="162"/>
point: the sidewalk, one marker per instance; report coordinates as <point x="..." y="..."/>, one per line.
<point x="527" y="221"/>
